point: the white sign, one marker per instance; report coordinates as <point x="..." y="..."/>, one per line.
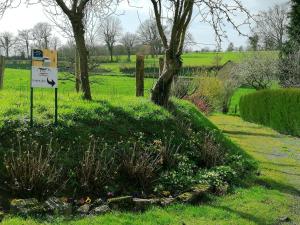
<point x="44" y="77"/>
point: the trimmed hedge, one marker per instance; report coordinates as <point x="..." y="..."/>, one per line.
<point x="278" y="109"/>
<point x="185" y="71"/>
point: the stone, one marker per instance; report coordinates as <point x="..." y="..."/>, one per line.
<point x="195" y="193"/>
<point x="97" y="202"/>
<point x="167" y="201"/>
<point x="100" y="210"/>
<point x="121" y="203"/>
<point x="58" y="206"/>
<point x="187" y="197"/>
<point x="285" y="219"/>
<point x="142" y="204"/>
<point x="84" y="209"/>
<point x="166" y="193"/>
<point x="200" y="188"/>
<point x="26" y="207"/>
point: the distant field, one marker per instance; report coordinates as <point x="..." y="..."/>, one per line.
<point x="189" y="60"/>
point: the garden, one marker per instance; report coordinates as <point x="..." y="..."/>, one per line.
<point x="139" y="129"/>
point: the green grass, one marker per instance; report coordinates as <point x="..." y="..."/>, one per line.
<point x="235" y="99"/>
<point x="189" y="60"/>
<point x="274" y="195"/>
<point x="101" y="85"/>
<point x="248" y="207"/>
<point x="261" y="202"/>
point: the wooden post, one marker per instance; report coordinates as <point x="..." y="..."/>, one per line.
<point x="161" y="65"/>
<point x="140" y="75"/>
<point x="2" y="67"/>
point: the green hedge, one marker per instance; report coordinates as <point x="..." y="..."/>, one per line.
<point x="185" y="71"/>
<point x="279" y="109"/>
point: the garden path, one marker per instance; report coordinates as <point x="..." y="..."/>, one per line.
<point x="278" y="154"/>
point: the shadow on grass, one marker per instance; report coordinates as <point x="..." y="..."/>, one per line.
<point x="280" y="164"/>
<point x="246" y="216"/>
<point x="275" y="185"/>
<point x="250" y="133"/>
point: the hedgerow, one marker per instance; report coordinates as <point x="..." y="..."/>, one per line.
<point x="278" y="109"/>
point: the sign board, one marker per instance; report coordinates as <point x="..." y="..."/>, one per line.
<point x="37" y="55"/>
<point x="44" y="69"/>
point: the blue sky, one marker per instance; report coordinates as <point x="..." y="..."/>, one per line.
<point x="24" y="17"/>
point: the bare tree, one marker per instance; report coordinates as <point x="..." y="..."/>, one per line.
<point x="129" y="40"/>
<point x="41" y="34"/>
<point x="110" y="31"/>
<point x="75" y="10"/>
<point x="271" y="26"/>
<point x="149" y="35"/>
<point x="215" y="12"/>
<point x="289" y="73"/>
<point x="7" y="40"/>
<point x="253" y="42"/>
<point x="24" y="38"/>
<point x="189" y="41"/>
<point x="257" y="71"/>
<point x="55" y="42"/>
<point x="230" y="47"/>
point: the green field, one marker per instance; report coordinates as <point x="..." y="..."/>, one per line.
<point x="264" y="200"/>
<point x="189" y="60"/>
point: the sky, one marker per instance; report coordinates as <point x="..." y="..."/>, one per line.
<point x="25" y="17"/>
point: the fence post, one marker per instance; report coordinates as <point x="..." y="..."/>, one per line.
<point x="140" y="75"/>
<point x="2" y="67"/>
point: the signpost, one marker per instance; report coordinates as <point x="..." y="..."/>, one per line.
<point x="43" y="75"/>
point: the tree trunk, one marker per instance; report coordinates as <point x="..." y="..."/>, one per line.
<point x="111" y="55"/>
<point x="161" y="90"/>
<point x="77" y="71"/>
<point x="79" y="32"/>
<point x="7" y="52"/>
<point x="27" y="49"/>
<point x="128" y="55"/>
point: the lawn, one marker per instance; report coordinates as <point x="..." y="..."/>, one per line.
<point x="272" y="196"/>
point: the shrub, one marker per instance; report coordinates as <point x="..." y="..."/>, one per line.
<point x="289" y="72"/>
<point x="278" y="109"/>
<point x="180" y="177"/>
<point x="140" y="165"/>
<point x="180" y="88"/>
<point x="31" y="170"/>
<point x="217" y="177"/>
<point x="209" y="90"/>
<point x="257" y="71"/>
<point x="205" y="149"/>
<point x="97" y="167"/>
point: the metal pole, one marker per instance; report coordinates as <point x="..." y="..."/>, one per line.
<point x="31" y="95"/>
<point x="31" y="107"/>
<point x="56" y="115"/>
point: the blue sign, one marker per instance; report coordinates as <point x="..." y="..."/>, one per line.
<point x="37" y="55"/>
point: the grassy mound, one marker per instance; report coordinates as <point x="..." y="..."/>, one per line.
<point x="278" y="109"/>
<point x="115" y="143"/>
